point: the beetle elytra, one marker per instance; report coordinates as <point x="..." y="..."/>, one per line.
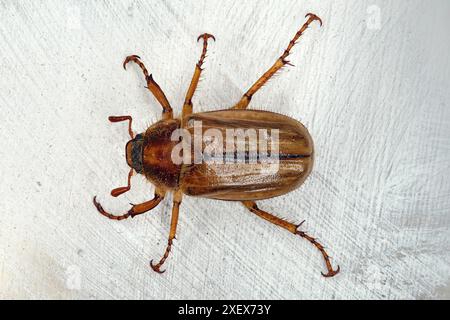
<point x="152" y="154"/>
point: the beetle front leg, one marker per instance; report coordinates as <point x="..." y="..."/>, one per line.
<point x="173" y="230"/>
<point x="135" y="210"/>
<point x="281" y="62"/>
<point x="154" y="88"/>
<point x="187" y="107"/>
<point x="251" y="205"/>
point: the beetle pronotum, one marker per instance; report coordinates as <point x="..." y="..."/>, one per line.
<point x="151" y="154"/>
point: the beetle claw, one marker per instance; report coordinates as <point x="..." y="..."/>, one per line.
<point x="331" y="273"/>
<point x="156" y="267"/>
<point x="128" y="59"/>
<point x="314" y="18"/>
<point x="100" y="207"/>
<point x="321" y="248"/>
<point x="205" y="37"/>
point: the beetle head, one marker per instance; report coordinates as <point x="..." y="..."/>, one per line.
<point x="133" y="152"/>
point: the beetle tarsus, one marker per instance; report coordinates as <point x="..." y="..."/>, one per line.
<point x="331" y="272"/>
<point x="136" y="209"/>
<point x="130" y="58"/>
<point x="205" y="37"/>
<point x="109" y="215"/>
<point x="314" y="17"/>
<point x="279" y="64"/>
<point x="157" y="267"/>
<point x="187" y="106"/>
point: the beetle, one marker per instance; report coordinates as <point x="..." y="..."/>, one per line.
<point x="152" y="154"/>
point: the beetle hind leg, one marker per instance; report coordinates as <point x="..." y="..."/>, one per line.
<point x="294" y="229"/>
<point x="280" y="63"/>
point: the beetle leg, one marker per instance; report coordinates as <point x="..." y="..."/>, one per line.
<point x="134" y="211"/>
<point x="173" y="231"/>
<point x="331" y="273"/>
<point x="281" y="62"/>
<point x="251" y="205"/>
<point x="154" y="88"/>
<point x="187" y="107"/>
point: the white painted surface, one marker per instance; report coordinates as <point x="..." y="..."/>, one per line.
<point x="374" y="95"/>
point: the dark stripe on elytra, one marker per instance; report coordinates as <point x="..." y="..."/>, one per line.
<point x="279" y="157"/>
<point x="242" y="123"/>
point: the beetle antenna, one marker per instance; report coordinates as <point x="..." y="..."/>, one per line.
<point x="124" y="118"/>
<point x="118" y="191"/>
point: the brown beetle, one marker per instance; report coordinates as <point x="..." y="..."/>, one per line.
<point x="152" y="154"/>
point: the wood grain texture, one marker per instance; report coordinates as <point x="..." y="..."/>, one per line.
<point x="372" y="93"/>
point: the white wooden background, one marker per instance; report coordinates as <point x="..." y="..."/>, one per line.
<point x="372" y="86"/>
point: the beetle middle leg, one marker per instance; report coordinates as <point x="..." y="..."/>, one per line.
<point x="251" y="205"/>
<point x="187" y="107"/>
<point x="173" y="230"/>
<point x="281" y="62"/>
<point x="154" y="88"/>
<point x="135" y="209"/>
